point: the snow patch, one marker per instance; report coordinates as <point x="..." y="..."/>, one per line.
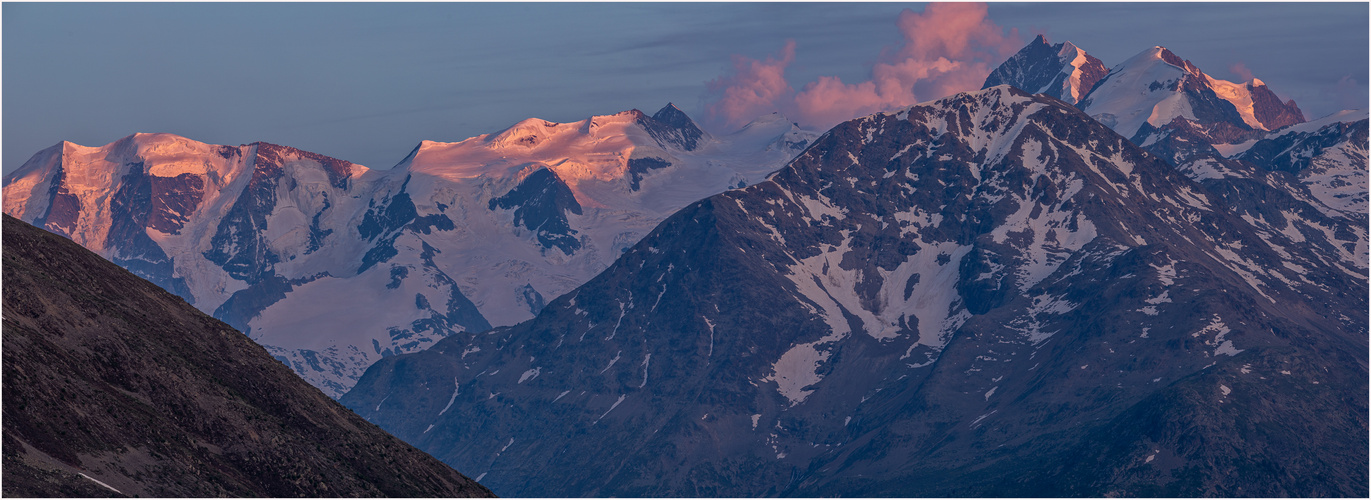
<point x="97" y="481"/>
<point x="796" y="370"/>
<point x="982" y="417"/>
<point x="611" y="408"/>
<point x="456" y="388"/>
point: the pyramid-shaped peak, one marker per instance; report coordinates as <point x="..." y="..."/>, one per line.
<point x="1063" y="70"/>
<point x="672" y="115"/>
<point x="671" y="125"/>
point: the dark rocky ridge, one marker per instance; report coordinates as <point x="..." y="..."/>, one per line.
<point x="1293" y="152"/>
<point x="109" y="376"/>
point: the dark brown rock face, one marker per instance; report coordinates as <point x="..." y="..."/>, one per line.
<point x="1271" y="111"/>
<point x="109" y="377"/>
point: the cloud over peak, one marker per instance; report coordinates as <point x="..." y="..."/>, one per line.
<point x="947" y="48"/>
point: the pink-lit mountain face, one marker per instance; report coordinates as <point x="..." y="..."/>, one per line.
<point x="332" y="265"/>
<point x="1147" y="92"/>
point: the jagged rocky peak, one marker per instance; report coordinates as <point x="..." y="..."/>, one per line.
<point x="1268" y="109"/>
<point x="1063" y="71"/>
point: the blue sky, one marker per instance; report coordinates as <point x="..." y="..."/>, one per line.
<point x="366" y="82"/>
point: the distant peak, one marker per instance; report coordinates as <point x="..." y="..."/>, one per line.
<point x="682" y="130"/>
<point x="1040" y="40"/>
<point x="1256" y="82"/>
<point x="672" y="115"/>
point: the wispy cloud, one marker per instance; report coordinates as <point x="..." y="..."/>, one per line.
<point x="947" y="48"/>
<point x="1240" y="70"/>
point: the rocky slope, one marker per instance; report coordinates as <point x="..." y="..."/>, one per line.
<point x="1298" y="184"/>
<point x="114" y="387"/>
<point x="331" y="265"/>
<point x="960" y="298"/>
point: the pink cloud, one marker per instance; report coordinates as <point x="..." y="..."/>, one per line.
<point x="1244" y="75"/>
<point x="754" y="88"/>
<point x="947" y="48"/>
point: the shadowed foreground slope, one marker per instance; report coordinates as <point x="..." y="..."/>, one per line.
<point x="110" y="377"/>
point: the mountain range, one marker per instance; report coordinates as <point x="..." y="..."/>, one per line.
<point x="331" y="265"/>
<point x="1079" y="280"/>
<point x="961" y="298"/>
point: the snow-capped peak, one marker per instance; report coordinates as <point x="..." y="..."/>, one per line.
<point x="596" y="148"/>
<point x="520" y="215"/>
<point x="1156" y="86"/>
